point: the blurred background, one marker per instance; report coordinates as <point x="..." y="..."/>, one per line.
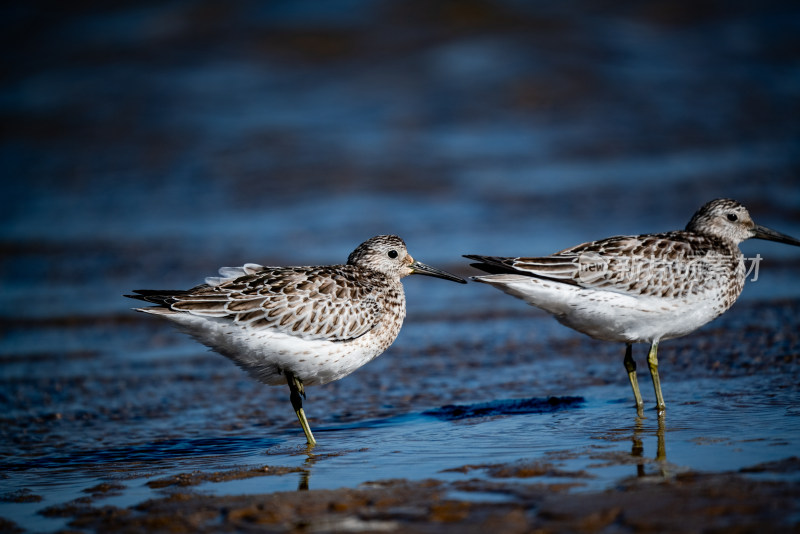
<point x="151" y="142"/>
<point x="146" y="144"/>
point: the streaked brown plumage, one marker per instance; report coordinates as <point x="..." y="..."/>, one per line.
<point x="301" y="325"/>
<point x="640" y="288"/>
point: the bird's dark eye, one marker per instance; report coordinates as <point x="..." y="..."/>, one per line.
<point x="392" y="254"/>
<point x="732" y="217"/>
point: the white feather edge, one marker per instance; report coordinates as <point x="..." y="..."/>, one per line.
<point x="232" y="273"/>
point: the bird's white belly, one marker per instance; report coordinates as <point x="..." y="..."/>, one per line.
<point x="610" y="315"/>
<point x="615" y="317"/>
<point x="266" y="355"/>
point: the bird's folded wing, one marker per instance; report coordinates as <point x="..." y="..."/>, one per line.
<point x="653" y="263"/>
<point x="330" y="303"/>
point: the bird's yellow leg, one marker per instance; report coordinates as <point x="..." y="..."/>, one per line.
<point x="297" y="394"/>
<point x="630" y="366"/>
<point x="652" y="362"/>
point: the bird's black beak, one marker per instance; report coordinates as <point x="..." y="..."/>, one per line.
<point x="762" y="232"/>
<point x="421" y="268"/>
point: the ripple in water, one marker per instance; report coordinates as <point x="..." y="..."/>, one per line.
<point x="505" y="407"/>
<point x="157" y="452"/>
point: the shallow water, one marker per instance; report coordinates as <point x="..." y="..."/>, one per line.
<point x="420" y="411"/>
<point x="146" y="147"/>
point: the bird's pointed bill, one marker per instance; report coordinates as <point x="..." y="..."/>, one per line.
<point x="762" y="232"/>
<point x="420" y="268"/>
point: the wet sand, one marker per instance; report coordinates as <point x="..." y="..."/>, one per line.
<point x="511" y="501"/>
<point x="620" y="473"/>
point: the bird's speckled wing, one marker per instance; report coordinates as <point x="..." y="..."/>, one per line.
<point x="672" y="264"/>
<point x="334" y="303"/>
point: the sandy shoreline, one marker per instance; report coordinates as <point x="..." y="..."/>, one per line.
<point x="510" y="501"/>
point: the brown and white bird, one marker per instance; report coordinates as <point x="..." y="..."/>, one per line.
<point x="299" y="325"/>
<point x="639" y="288"/>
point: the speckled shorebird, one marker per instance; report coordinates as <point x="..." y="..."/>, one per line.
<point x="639" y="289"/>
<point x="299" y="325"/>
